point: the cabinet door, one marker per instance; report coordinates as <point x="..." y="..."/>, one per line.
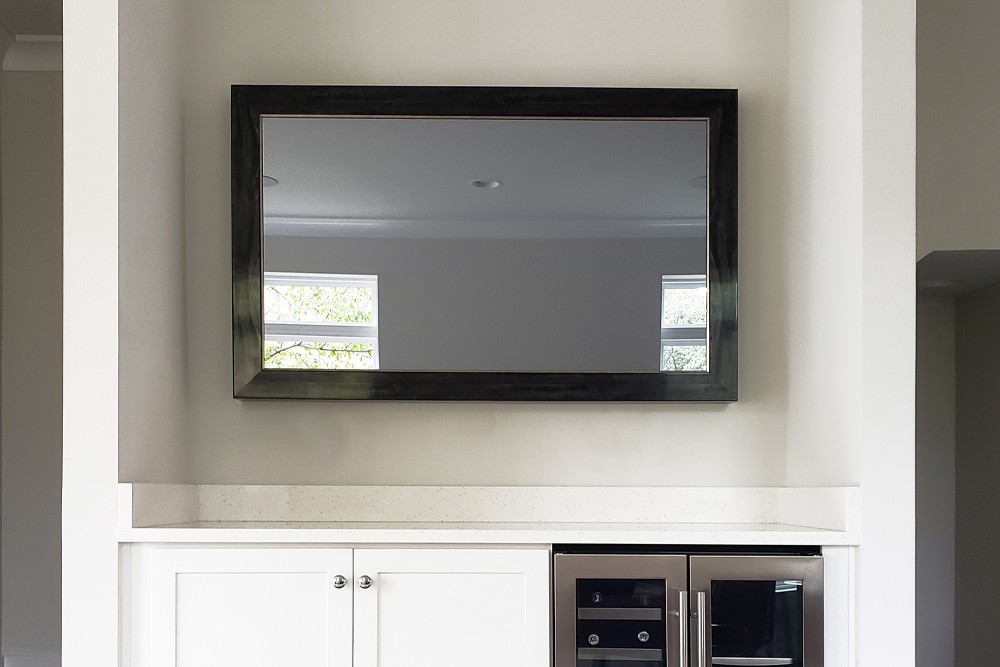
<point x="451" y="607"/>
<point x="213" y="607"/>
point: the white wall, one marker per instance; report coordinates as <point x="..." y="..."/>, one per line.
<point x="31" y="373"/>
<point x="507" y="304"/>
<point x="935" y="481"/>
<point x="977" y="462"/>
<point x="958" y="97"/>
<point x="718" y="43"/>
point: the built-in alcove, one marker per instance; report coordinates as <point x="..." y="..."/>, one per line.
<point x="178" y="422"/>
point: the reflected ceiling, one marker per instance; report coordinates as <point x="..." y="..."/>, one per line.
<point x="414" y="178"/>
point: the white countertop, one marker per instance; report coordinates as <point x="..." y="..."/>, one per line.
<point x="314" y="532"/>
<point x="821" y="516"/>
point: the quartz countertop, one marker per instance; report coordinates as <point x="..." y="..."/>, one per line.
<point x="356" y="515"/>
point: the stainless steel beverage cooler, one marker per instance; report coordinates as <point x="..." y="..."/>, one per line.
<point x="688" y="610"/>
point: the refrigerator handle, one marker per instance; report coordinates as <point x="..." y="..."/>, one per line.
<point x="682" y="628"/>
<point x="702" y="641"/>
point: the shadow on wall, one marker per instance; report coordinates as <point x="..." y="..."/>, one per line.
<point x="30" y="361"/>
<point x="958" y="430"/>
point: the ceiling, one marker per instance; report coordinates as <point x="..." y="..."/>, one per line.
<point x="31" y="17"/>
<point x="411" y="177"/>
<point x="957" y="272"/>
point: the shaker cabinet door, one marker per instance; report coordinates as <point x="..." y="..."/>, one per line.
<point x="250" y="607"/>
<point x="451" y="607"/>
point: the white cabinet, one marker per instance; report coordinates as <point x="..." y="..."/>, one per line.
<point x="214" y="607"/>
<point x="451" y="608"/>
<point x="260" y="607"/>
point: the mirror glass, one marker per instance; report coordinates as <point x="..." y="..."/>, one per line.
<point x="485" y="244"/>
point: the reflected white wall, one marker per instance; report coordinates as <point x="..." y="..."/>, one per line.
<point x="501" y="304"/>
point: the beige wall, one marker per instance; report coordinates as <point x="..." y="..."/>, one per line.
<point x="31" y="349"/>
<point x="822" y="245"/>
<point x="152" y="340"/>
<point x="978" y="462"/>
<point x="718" y="43"/>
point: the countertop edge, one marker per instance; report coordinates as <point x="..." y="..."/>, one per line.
<point x="537" y="535"/>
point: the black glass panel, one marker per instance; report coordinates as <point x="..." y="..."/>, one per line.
<point x="621" y="622"/>
<point x="757" y="619"/>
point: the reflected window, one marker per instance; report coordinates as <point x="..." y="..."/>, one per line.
<point x="320" y="321"/>
<point x="683" y="323"/>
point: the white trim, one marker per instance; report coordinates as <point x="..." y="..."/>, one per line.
<point x="90" y="322"/>
<point x="684" y="334"/>
<point x="321" y="332"/>
<point x="680" y="342"/>
<point x="320" y="279"/>
<point x="688" y="281"/>
<point x="839" y="606"/>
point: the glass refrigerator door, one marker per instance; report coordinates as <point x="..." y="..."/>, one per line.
<point x="757" y="611"/>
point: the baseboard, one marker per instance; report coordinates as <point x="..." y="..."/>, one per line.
<point x="32" y="661"/>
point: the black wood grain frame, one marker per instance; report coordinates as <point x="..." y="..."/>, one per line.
<point x="251" y="380"/>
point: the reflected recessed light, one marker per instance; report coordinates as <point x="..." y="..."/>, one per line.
<point x="486" y="184"/>
<point x="269" y="181"/>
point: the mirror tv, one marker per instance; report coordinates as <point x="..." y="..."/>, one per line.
<point x="446" y="243"/>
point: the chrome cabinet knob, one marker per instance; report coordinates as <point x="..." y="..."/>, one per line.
<point x="339" y="581"/>
<point x="365" y="581"/>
